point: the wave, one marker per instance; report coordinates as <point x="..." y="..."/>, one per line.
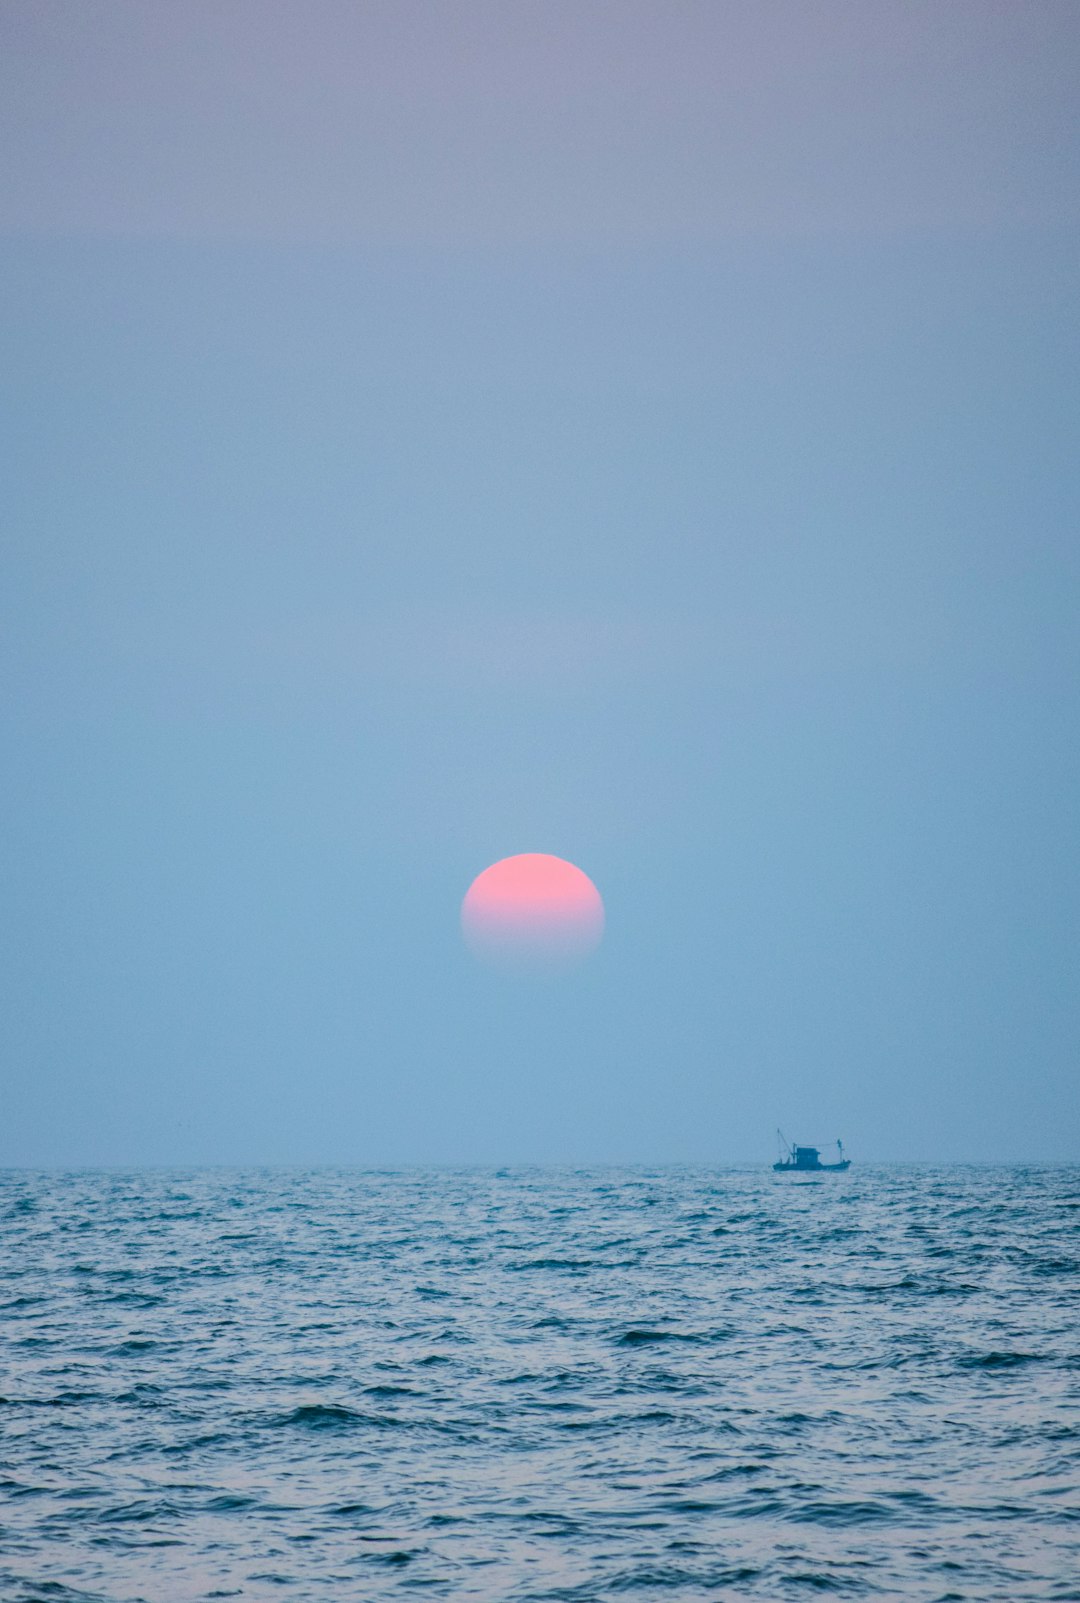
<point x="571" y="1386"/>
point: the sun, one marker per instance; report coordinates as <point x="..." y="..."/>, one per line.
<point x="532" y="912"/>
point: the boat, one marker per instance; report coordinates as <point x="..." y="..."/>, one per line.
<point x="807" y="1160"/>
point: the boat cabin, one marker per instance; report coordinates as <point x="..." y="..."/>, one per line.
<point x="807" y="1158"/>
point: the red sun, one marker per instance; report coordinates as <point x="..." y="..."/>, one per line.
<point x="532" y="911"/>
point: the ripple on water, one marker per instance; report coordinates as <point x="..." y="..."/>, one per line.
<point x="539" y="1385"/>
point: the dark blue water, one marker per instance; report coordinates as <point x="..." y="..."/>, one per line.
<point x="540" y="1385"/>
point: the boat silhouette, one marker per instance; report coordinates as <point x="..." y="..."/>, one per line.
<point x="807" y="1160"/>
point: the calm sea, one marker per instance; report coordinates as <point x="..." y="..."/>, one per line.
<point x="540" y="1384"/>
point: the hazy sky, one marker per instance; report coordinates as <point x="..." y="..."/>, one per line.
<point x="646" y="433"/>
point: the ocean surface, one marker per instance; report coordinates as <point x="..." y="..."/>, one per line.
<point x="540" y="1384"/>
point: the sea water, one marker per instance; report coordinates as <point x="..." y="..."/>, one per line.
<point x="540" y="1384"/>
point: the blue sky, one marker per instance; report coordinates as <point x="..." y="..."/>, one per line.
<point x="641" y="433"/>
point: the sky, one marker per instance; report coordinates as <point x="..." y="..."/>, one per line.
<point x="642" y="433"/>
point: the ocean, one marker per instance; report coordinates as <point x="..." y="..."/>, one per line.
<point x="571" y="1384"/>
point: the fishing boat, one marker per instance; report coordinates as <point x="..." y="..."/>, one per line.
<point x="807" y="1160"/>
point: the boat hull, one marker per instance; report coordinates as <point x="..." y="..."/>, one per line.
<point x="812" y="1168"/>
